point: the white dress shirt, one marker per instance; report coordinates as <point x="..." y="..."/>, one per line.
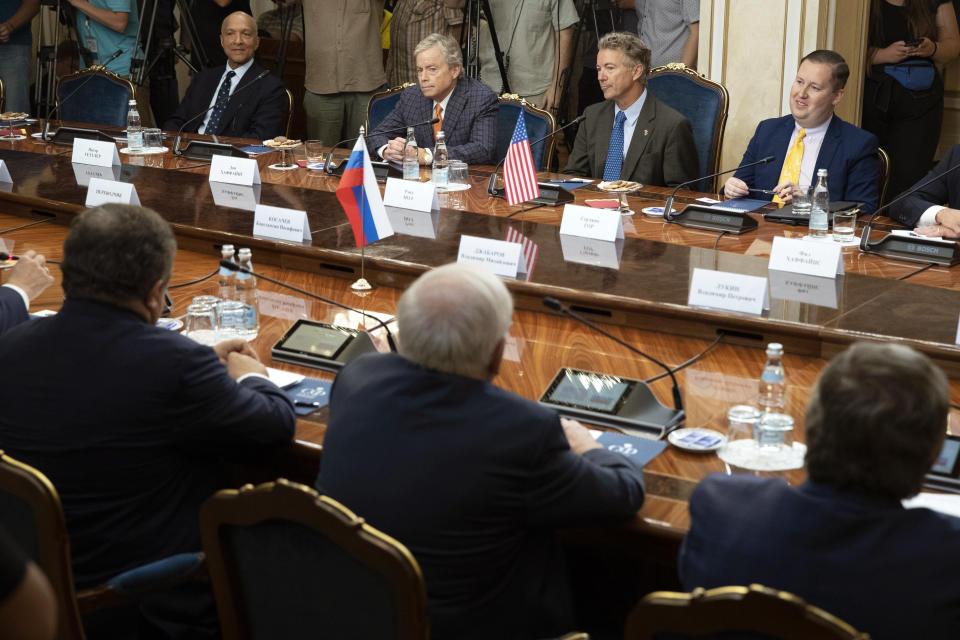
<point x="812" y="142"/>
<point x="234" y="83"/>
<point x="632" y="112"/>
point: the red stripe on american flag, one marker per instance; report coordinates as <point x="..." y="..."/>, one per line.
<point x="519" y="176"/>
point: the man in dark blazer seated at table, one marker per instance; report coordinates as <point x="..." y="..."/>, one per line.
<point x="241" y="103"/>
<point x="131" y="422"/>
<point x="843" y="541"/>
<point x="467" y="109"/>
<point x="631" y="135"/>
<point x="935" y="209"/>
<point x="471" y="478"/>
<point x="812" y="137"/>
<point x="26" y="280"/>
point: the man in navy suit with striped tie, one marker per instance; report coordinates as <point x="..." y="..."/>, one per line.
<point x="26" y="280"/>
<point x="466" y="108"/>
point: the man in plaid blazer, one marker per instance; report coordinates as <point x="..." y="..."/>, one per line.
<point x="466" y="107"/>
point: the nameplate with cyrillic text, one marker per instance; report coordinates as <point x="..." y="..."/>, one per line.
<point x="728" y="291"/>
<point x="800" y="287"/>
<point x="408" y="194"/>
<point x="96" y="152"/>
<point x="243" y="171"/>
<point x="235" y="196"/>
<point x="422" y="224"/>
<point x="103" y="191"/>
<point x="280" y="224"/>
<point x="587" y="222"/>
<point x="795" y="255"/>
<point x="4" y="172"/>
<point x="500" y="257"/>
<point x="599" y="253"/>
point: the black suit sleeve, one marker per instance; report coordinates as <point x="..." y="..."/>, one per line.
<point x="269" y="117"/>
<point x="191" y="104"/>
<point x="909" y="210"/>
<point x="578" y="164"/>
<point x="12" y="311"/>
<point x="680" y="162"/>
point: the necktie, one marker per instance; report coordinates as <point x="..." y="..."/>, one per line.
<point x="791" y="164"/>
<point x="438" y="113"/>
<point x="223" y="97"/>
<point x="611" y="170"/>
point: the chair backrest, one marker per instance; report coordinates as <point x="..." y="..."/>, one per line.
<point x="755" y="612"/>
<point x="381" y="104"/>
<point x="31" y="512"/>
<point x="286" y="131"/>
<point x="884" y="176"/>
<point x="3" y="96"/>
<point x="703" y="102"/>
<point x="102" y="100"/>
<point x="286" y="562"/>
<point x="538" y="121"/>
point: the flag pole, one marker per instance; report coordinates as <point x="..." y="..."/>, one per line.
<point x="361" y="285"/>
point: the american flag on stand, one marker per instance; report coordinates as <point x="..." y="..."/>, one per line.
<point x="519" y="176"/>
<point x="528" y="250"/>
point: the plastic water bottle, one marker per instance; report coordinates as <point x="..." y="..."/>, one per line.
<point x="134" y="128"/>
<point x="226" y="279"/>
<point x="773" y="381"/>
<point x="247" y="294"/>
<point x="411" y="159"/>
<point x="441" y="170"/>
<point x="820" y="209"/>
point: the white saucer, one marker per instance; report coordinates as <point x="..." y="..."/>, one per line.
<point x="696" y="439"/>
<point x="454" y="187"/>
<point x="146" y="151"/>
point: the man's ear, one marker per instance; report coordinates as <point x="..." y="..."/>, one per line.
<point x="154" y="300"/>
<point x="496" y="358"/>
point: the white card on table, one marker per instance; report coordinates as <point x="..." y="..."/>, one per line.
<point x="281" y="305"/>
<point x="231" y="170"/>
<point x="102" y="191"/>
<point x="84" y="173"/>
<point x="422" y="224"/>
<point x="408" y="194"/>
<point x="235" y="196"/>
<point x="587" y="222"/>
<point x="595" y="252"/>
<point x="824" y="259"/>
<point x="280" y="223"/>
<point x="499" y="256"/>
<point x="728" y="291"/>
<point x="4" y="172"/>
<point x="800" y="287"/>
<point x="96" y="152"/>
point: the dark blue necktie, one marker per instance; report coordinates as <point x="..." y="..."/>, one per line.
<point x="223" y="97"/>
<point x="611" y="170"/>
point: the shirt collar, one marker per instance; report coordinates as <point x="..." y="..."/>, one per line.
<point x="239" y="71"/>
<point x="633" y="111"/>
<point x="443" y="103"/>
<point x="820" y="129"/>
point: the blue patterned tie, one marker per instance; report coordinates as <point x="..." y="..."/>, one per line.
<point x="223" y="97"/>
<point x="611" y="170"/>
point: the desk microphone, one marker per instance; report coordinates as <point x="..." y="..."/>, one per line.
<point x="492" y="185"/>
<point x="232" y="266"/>
<point x="176" y="143"/>
<point x="46" y="125"/>
<point x="668" y="207"/>
<point x="329" y="168"/>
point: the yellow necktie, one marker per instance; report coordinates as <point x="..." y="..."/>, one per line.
<point x="438" y="114"/>
<point x="791" y="164"/>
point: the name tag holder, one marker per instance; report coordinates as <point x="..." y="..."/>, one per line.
<point x="502" y="258"/>
<point x="103" y="191"/>
<point x="727" y="291"/>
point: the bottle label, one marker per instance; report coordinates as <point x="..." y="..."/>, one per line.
<point x="771" y="377"/>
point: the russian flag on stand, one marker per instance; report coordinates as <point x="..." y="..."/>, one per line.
<point x="359" y="195"/>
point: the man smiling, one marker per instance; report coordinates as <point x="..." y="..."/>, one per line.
<point x="812" y="137"/>
<point x="259" y="111"/>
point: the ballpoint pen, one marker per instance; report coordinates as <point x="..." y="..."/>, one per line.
<point x="769" y="192"/>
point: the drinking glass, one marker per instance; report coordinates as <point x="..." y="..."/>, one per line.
<point x="845" y="226"/>
<point x="740" y="445"/>
<point x="232" y="316"/>
<point x="802" y="199"/>
<point x="313" y="150"/>
<point x="774" y="432"/>
<point x="458" y="172"/>
<point x="201" y="324"/>
<point x="152" y="138"/>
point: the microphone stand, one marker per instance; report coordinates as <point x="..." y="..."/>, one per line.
<point x="77" y="132"/>
<point x="329" y="169"/>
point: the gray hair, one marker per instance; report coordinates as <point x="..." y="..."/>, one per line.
<point x="632" y="48"/>
<point x="452" y="318"/>
<point x="449" y="47"/>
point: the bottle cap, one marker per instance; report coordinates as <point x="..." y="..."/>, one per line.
<point x="132" y="103"/>
<point x="775" y="348"/>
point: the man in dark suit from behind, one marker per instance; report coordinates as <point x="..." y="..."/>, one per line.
<point x="241" y="103"/>
<point x="26" y="280"/>
<point x="935" y="208"/>
<point x="131" y="422"/>
<point x="467" y="109"/>
<point x="473" y="479"/>
<point x="631" y="135"/>
<point x="843" y="541"/>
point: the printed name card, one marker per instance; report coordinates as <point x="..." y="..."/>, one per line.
<point x="235" y="196"/>
<point x="280" y="305"/>
<point x="103" y="191"/>
<point x="280" y="224"/>
<point x="96" y="152"/>
<point x="594" y="252"/>
<point x="728" y="291"/>
<point x="811" y="258"/>
<point x="502" y="258"/>
<point x="84" y="173"/>
<point x="800" y="287"/>
<point x="587" y="222"/>
<point x="244" y="171"/>
<point x="422" y="224"/>
<point x="4" y="172"/>
<point x="408" y="194"/>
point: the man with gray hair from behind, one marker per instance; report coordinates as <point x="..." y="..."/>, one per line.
<point x="473" y="479"/>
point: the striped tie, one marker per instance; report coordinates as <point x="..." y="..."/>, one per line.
<point x="791" y="164"/>
<point x="223" y="97"/>
<point x="611" y="170"/>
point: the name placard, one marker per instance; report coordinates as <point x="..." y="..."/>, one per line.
<point x="800" y="287"/>
<point x="229" y="170"/>
<point x="280" y="223"/>
<point x="499" y="256"/>
<point x="235" y="196"/>
<point x="84" y="173"/>
<point x="407" y="194"/>
<point x="594" y="252"/>
<point x="422" y="224"/>
<point x="4" y="172"/>
<point x="280" y="305"/>
<point x="102" y="191"/>
<point x="795" y="255"/>
<point x="96" y="152"/>
<point x="728" y="291"/>
<point x="587" y="222"/>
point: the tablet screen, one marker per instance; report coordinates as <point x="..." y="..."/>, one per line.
<point x="591" y="391"/>
<point x="315" y="339"/>
<point x="946" y="462"/>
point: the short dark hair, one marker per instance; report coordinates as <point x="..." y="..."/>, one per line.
<point x="632" y="48"/>
<point x="877" y="420"/>
<point x="839" y="71"/>
<point x="116" y="252"/>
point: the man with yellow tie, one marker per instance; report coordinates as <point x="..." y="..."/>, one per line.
<point x="812" y="137"/>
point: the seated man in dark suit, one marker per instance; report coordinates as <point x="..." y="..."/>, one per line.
<point x="812" y="137"/>
<point x="131" y="422"/>
<point x="241" y="103"/>
<point x="631" y="135"/>
<point x="26" y="280"/>
<point x="467" y="109"/>
<point x="471" y="478"/>
<point x="843" y="541"/>
<point x="935" y="209"/>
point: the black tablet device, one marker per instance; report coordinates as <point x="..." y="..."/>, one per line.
<point x="589" y="391"/>
<point x="321" y="345"/>
<point x="787" y="216"/>
<point x="945" y="472"/>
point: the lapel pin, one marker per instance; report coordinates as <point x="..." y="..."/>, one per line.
<point x="645" y="132"/>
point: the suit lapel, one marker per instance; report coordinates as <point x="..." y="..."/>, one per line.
<point x="455" y="106"/>
<point x="829" y="147"/>
<point x="641" y="137"/>
<point x="237" y="100"/>
<point x="602" y="136"/>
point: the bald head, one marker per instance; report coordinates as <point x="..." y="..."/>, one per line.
<point x="238" y="37"/>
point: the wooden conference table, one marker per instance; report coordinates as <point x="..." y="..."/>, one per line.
<point x="641" y="297"/>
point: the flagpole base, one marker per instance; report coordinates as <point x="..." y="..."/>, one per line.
<point x="361" y="285"/>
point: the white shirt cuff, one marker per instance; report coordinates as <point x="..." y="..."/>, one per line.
<point x="23" y="294"/>
<point x="254" y="375"/>
<point x="929" y="217"/>
<point x="380" y="152"/>
<point x="429" y="154"/>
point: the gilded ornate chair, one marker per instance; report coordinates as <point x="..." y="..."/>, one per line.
<point x="102" y="100"/>
<point x="884" y="176"/>
<point x="3" y="96"/>
<point x="286" y="562"/>
<point x="755" y="612"/>
<point x="286" y="131"/>
<point x="381" y="104"/>
<point x="539" y="123"/>
<point x="703" y="102"/>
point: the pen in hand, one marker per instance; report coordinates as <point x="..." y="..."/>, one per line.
<point x="769" y="192"/>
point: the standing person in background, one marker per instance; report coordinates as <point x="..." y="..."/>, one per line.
<point x="671" y="28"/>
<point x="208" y="15"/>
<point x="15" y="44"/>
<point x="414" y="20"/>
<point x="903" y="94"/>
<point x="104" y="26"/>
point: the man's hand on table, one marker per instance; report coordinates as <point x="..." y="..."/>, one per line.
<point x="735" y="188"/>
<point x="239" y="358"/>
<point x="31" y="274"/>
<point x="578" y="437"/>
<point x="948" y="225"/>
